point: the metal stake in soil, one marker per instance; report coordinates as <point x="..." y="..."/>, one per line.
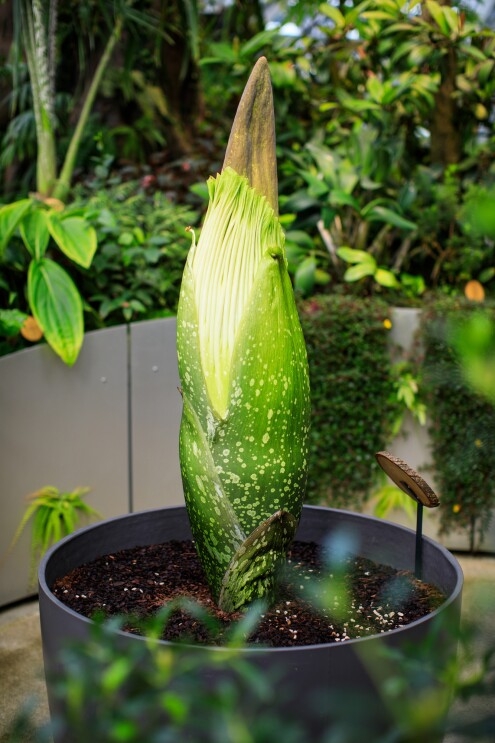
<point x="416" y="488"/>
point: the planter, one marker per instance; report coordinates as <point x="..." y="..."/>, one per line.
<point x="110" y="422"/>
<point x="317" y="672"/>
<point x="122" y="392"/>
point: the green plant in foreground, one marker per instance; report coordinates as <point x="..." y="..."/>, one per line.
<point x="53" y="515"/>
<point x="243" y="369"/>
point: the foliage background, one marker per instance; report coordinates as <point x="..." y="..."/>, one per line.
<point x="385" y="144"/>
<point x="354" y="406"/>
<point x="462" y="422"/>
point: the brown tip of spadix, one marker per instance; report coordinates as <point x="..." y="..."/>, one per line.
<point x="251" y="147"/>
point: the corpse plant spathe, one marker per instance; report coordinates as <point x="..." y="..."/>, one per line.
<point x="243" y="369"/>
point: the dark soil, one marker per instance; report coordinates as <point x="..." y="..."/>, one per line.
<point x="360" y="598"/>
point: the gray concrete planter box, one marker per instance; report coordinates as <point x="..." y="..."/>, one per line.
<point x="110" y="423"/>
<point x="305" y="674"/>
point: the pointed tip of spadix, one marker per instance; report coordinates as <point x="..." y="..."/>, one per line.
<point x="251" y="147"/>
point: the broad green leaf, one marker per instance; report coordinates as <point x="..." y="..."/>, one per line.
<point x="407" y="27"/>
<point x="34" y="232"/>
<point x="452" y="19"/>
<point x="462" y="83"/>
<point x="357" y="104"/>
<point x="11" y="322"/>
<point x="375" y="88"/>
<point x="75" y="237"/>
<point x="353" y="14"/>
<point x="327" y="162"/>
<point x="115" y="675"/>
<point x="383" y="214"/>
<point x="379" y="15"/>
<point x="359" y="271"/>
<point x="438" y="14"/>
<point x="304" y="277"/>
<point x="257" y="42"/>
<point x="57" y="307"/>
<point x="300" y="238"/>
<point x="386" y="278"/>
<point x="317" y="186"/>
<point x="10" y="216"/>
<point x="419" y="53"/>
<point x="481" y="112"/>
<point x="334" y="14"/>
<point x="473" y="51"/>
<point x="406" y="47"/>
<point x="395" y="6"/>
<point x="338" y="197"/>
<point x="322" y="277"/>
<point x="301" y="200"/>
<point x="351" y="255"/>
<point x="485" y="70"/>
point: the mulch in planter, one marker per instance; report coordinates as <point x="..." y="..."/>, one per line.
<point x="138" y="582"/>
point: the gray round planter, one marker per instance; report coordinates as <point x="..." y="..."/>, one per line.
<point x="319" y="677"/>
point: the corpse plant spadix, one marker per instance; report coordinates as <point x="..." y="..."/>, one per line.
<point x="243" y="369"/>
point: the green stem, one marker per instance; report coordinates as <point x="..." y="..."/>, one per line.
<point x="63" y="184"/>
<point x="36" y="56"/>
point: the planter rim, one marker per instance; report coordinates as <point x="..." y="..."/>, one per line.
<point x="451" y="598"/>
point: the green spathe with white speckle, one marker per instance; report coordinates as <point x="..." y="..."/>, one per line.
<point x="239" y="228"/>
<point x="245" y="386"/>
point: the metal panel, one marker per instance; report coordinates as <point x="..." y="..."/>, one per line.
<point x="61" y="426"/>
<point x="155" y="415"/>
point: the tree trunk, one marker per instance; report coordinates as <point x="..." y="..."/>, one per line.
<point x="445" y="148"/>
<point x="181" y="86"/>
<point x="180" y="79"/>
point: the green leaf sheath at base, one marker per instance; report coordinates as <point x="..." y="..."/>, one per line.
<point x="245" y="384"/>
<point x="57" y="308"/>
<point x="253" y="569"/>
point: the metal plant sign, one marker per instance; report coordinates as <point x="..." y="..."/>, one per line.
<point x="416" y="488"/>
<point x="243" y="369"/>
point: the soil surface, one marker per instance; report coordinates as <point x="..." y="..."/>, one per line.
<point x="354" y="598"/>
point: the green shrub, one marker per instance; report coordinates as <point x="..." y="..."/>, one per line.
<point x="462" y="423"/>
<point x="142" y="247"/>
<point x="396" y="145"/>
<point x="353" y="394"/>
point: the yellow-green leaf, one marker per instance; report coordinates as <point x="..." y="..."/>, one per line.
<point x="10" y="217"/>
<point x="74" y="236"/>
<point x="57" y="308"/>
<point x="34" y="232"/>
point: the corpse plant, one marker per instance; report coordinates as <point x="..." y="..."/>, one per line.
<point x="243" y="369"/>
